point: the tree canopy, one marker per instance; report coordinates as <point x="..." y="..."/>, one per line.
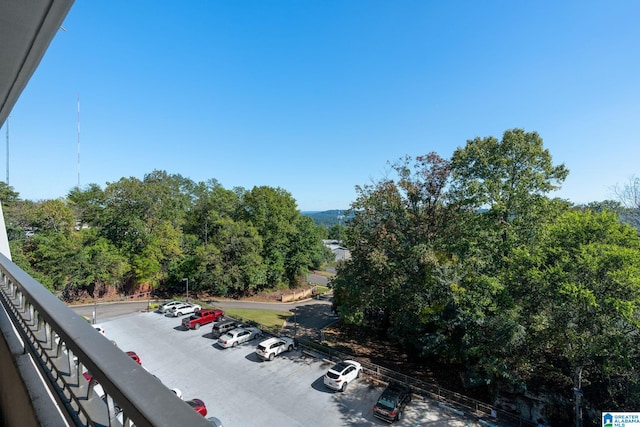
<point x="468" y="261"/>
<point x="156" y="231"/>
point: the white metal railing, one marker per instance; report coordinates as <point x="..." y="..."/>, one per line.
<point x="65" y="347"/>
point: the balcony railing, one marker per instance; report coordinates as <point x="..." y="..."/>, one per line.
<point x="64" y="346"/>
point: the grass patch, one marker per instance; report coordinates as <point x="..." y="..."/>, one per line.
<point x="322" y="289"/>
<point x="324" y="273"/>
<point x="268" y="318"/>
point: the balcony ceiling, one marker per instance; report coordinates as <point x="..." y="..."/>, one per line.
<point x="26" y="30"/>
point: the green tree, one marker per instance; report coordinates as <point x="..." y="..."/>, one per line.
<point x="337" y="232"/>
<point x="273" y="212"/>
<point x="144" y="219"/>
<point x="396" y="236"/>
<point x="103" y="265"/>
<point x="56" y="255"/>
<point x="211" y="203"/>
<point x="580" y="296"/>
<point x="12" y="210"/>
<point x="305" y="249"/>
<point x="8" y="195"/>
<point x="242" y="270"/>
<point x="87" y="204"/>
<point x="509" y="178"/>
<point x="54" y="216"/>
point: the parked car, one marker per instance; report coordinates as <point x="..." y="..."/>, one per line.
<point x="168" y="306"/>
<point x="99" y="328"/>
<point x="198" y="405"/>
<point x="341" y="374"/>
<point x="392" y="401"/>
<point x="202" y="317"/>
<point x="134" y="356"/>
<point x="97" y="388"/>
<point x="220" y="328"/>
<point x="272" y="347"/>
<point x="184" y="308"/>
<point x="238" y="336"/>
<point x="177" y="392"/>
<point x="215" y="421"/>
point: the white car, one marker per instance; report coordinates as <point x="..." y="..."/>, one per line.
<point x="168" y="306"/>
<point x="215" y="421"/>
<point x="341" y="374"/>
<point x="184" y="308"/>
<point x="177" y="392"/>
<point x="272" y="347"/>
<point x="98" y="328"/>
<point x="238" y="336"/>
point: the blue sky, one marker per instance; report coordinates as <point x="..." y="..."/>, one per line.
<point x="317" y="96"/>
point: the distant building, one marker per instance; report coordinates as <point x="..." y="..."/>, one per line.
<point x="341" y="253"/>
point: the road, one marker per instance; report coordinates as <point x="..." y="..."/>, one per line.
<point x="316" y="316"/>
<point x="310" y="315"/>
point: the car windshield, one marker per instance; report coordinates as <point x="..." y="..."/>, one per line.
<point x="226" y="337"/>
<point x="386" y="403"/>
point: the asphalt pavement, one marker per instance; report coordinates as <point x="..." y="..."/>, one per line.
<point x="242" y="390"/>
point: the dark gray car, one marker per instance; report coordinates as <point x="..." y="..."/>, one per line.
<point x="221" y="328"/>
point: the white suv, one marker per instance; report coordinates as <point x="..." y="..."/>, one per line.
<point x="272" y="347"/>
<point x="168" y="306"/>
<point x="184" y="308"/>
<point x="341" y="374"/>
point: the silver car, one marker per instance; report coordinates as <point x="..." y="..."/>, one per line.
<point x="238" y="336"/>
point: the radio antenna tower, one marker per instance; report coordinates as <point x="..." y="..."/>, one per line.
<point x="78" y="141"/>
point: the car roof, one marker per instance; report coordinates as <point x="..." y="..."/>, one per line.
<point x="195" y="402"/>
<point x="344" y="364"/>
<point x="395" y="388"/>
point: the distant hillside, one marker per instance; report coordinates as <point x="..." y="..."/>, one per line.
<point x="327" y="218"/>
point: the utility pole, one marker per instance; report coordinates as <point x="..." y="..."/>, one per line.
<point x="187" y="280"/>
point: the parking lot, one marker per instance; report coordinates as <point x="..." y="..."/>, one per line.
<point x="242" y="390"/>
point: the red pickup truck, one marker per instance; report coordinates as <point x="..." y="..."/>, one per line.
<point x="202" y="317"/>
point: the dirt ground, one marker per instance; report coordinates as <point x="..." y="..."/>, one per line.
<point x="368" y="346"/>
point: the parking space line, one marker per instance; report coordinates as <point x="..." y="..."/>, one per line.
<point x="298" y="370"/>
